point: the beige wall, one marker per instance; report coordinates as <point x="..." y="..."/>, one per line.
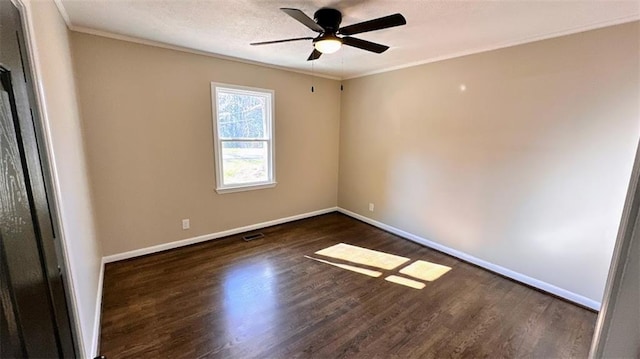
<point x="54" y="73"/>
<point x="526" y="169"/>
<point x="147" y="118"/>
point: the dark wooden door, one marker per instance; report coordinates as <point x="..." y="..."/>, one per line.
<point x="34" y="318"/>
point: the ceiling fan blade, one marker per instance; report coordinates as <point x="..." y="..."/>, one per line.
<point x="303" y="18"/>
<point x="373" y="25"/>
<point x="314" y="55"/>
<point x="364" y="44"/>
<point x="279" y="41"/>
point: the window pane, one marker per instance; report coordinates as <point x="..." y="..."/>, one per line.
<point x="244" y="162"/>
<point x="241" y="115"/>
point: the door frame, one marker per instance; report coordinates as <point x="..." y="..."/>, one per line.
<point x="629" y="225"/>
<point x="43" y="134"/>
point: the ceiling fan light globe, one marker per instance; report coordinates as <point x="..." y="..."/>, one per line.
<point x="328" y="46"/>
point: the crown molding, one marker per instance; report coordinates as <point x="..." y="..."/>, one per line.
<point x="163" y="45"/>
<point x="63" y="12"/>
<point x="572" y="31"/>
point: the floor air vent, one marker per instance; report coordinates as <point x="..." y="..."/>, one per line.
<point x="251" y="237"/>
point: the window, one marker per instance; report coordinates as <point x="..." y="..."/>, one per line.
<point x="243" y="137"/>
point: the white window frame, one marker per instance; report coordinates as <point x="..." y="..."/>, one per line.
<point x="217" y="141"/>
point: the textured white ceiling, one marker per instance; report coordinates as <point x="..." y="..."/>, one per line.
<point x="435" y="29"/>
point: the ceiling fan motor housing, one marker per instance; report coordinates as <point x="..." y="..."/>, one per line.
<point x="329" y="19"/>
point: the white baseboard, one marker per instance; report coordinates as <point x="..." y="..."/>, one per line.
<point x="210" y="236"/>
<point x="550" y="288"/>
<point x="95" y="346"/>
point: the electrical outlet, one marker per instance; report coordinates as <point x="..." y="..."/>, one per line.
<point x="371" y="207"/>
<point x="186" y="224"/>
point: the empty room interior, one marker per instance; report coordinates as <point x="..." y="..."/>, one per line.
<point x="326" y="179"/>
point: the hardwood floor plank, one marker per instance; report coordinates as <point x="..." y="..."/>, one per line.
<point x="229" y="298"/>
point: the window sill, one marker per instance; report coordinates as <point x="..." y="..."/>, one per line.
<point x="246" y="188"/>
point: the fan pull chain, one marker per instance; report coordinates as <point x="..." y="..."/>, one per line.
<point x="312" y="77"/>
<point x="341" y="70"/>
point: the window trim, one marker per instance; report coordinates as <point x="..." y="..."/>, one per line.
<point x="217" y="142"/>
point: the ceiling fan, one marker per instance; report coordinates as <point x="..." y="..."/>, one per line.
<point x="327" y="23"/>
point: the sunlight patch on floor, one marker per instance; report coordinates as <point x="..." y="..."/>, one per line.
<point x="422" y="270"/>
<point x="425" y="270"/>
<point x="364" y="256"/>
<point x="405" y="281"/>
<point x="369" y="272"/>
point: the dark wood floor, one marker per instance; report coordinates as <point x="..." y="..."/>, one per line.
<point x="263" y="299"/>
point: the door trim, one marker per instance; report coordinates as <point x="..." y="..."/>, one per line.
<point x="42" y="121"/>
<point x="629" y="223"/>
